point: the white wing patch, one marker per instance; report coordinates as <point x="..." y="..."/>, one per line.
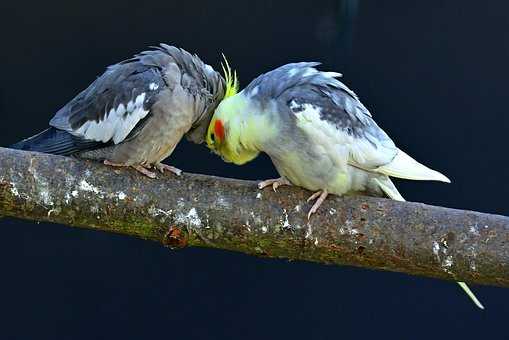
<point x="153" y="86"/>
<point x="340" y="146"/>
<point x="117" y="124"/>
<point x="326" y="138"/>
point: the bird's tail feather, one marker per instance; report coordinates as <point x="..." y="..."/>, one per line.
<point x="470" y="294"/>
<point x="54" y="141"/>
<point x="388" y="188"/>
<point x="404" y="166"/>
<point x="392" y="192"/>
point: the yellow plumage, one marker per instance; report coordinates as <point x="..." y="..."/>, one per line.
<point x="232" y="83"/>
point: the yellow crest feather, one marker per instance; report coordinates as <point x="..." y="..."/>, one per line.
<point x="232" y="83"/>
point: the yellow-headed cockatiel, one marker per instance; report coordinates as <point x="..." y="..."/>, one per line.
<point x="317" y="133"/>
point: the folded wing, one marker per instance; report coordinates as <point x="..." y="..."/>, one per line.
<point x="331" y="113"/>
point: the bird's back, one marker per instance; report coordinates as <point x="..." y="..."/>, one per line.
<point x="337" y="134"/>
<point x="117" y="106"/>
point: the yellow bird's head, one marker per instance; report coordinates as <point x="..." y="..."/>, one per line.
<point x="225" y="133"/>
<point x="225" y="128"/>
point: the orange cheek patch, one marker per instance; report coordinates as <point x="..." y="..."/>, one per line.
<point x="219" y="129"/>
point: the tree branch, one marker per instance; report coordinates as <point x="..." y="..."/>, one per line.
<point x="207" y="211"/>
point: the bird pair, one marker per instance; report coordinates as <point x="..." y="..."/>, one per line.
<point x="314" y="128"/>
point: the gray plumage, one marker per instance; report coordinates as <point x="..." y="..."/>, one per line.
<point x="137" y="111"/>
<point x="298" y="86"/>
<point x="305" y="104"/>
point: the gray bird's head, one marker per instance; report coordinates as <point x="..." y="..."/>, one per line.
<point x="214" y="91"/>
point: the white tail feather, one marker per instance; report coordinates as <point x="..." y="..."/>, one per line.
<point x="404" y="166"/>
<point x="470" y="294"/>
<point x="390" y="190"/>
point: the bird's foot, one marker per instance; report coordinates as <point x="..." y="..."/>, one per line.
<point x="164" y="167"/>
<point x="320" y="196"/>
<point x="144" y="171"/>
<point x="118" y="165"/>
<point x="276" y="182"/>
<point x="139" y="168"/>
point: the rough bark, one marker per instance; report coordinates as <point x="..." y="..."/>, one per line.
<point x="207" y="211"/>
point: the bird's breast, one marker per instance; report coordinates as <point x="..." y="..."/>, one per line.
<point x="312" y="165"/>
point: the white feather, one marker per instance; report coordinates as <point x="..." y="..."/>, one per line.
<point x="404" y="166"/>
<point x="388" y="188"/>
<point x="348" y="148"/>
<point x="139" y="100"/>
<point x="128" y="123"/>
<point x="117" y="124"/>
<point x="130" y="106"/>
<point x="324" y="135"/>
<point x="470" y="294"/>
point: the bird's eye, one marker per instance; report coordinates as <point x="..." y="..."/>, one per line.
<point x="212" y="138"/>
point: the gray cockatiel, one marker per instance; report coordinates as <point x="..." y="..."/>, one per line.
<point x="317" y="133"/>
<point x="136" y="112"/>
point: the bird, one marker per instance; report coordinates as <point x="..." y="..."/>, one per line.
<point x="136" y="112"/>
<point x="317" y="133"/>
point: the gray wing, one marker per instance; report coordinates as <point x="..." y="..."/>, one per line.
<point x="113" y="105"/>
<point x="329" y="112"/>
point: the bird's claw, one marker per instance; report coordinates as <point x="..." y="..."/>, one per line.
<point x="276" y="183"/>
<point x="144" y="171"/>
<point x="322" y="195"/>
<point x="313" y="196"/>
<point x="139" y="168"/>
<point x="164" y="167"/>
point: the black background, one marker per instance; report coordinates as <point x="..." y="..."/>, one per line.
<point x="433" y="73"/>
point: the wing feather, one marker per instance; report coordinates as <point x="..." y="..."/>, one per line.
<point x="113" y="105"/>
<point x="325" y="106"/>
<point x="364" y="150"/>
<point x="332" y="115"/>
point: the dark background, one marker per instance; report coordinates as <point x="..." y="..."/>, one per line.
<point x="433" y="73"/>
